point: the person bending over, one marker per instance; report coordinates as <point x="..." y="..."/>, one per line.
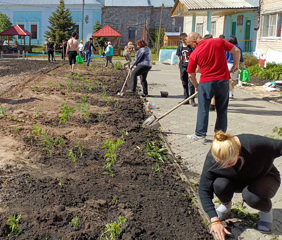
<point x="240" y="164"/>
<point x="143" y="62"/>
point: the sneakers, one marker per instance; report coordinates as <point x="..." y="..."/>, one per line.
<point x="196" y="138"/>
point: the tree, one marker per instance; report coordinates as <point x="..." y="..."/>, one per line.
<point x="5" y="24"/>
<point x="96" y="28"/>
<point x="61" y="24"/>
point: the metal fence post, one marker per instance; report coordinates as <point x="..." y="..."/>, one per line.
<point x="19" y="53"/>
<point x="23" y="54"/>
<point x="26" y="55"/>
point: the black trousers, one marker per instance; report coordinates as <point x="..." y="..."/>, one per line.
<point x="188" y="87"/>
<point x="50" y="52"/>
<point x="141" y="71"/>
<point x="256" y="194"/>
<point x="72" y="57"/>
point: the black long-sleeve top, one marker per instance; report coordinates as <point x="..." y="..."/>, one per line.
<point x="258" y="152"/>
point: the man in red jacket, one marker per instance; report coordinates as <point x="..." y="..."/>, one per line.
<point x="209" y="54"/>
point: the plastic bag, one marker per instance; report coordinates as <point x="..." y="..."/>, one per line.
<point x="79" y="59"/>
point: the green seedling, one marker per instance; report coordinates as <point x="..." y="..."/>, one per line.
<point x="90" y="86"/>
<point x="84" y="98"/>
<point x="3" y="111"/>
<point x="17" y="130"/>
<point x="52" y="73"/>
<point x="108" y="102"/>
<point x="104" y="95"/>
<point x="13" y="222"/>
<point x="116" y="103"/>
<point x="99" y="83"/>
<point x="51" y="84"/>
<point x="84" y="111"/>
<point x="100" y="114"/>
<point x="90" y="68"/>
<point x="111" y="156"/>
<point x="158" y="154"/>
<point x="113" y="230"/>
<point x="60" y="182"/>
<point x="72" y="155"/>
<point x="80" y="148"/>
<point x="249" y="219"/>
<point x="115" y="199"/>
<point x="75" y="222"/>
<point x="66" y="112"/>
<point x="37" y="113"/>
<point x="157" y="167"/>
<point x="29" y="178"/>
<point x="59" y="142"/>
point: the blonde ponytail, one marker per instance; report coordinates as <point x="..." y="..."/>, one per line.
<point x="225" y="149"/>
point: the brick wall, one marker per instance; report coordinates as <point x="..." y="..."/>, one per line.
<point x="121" y="18"/>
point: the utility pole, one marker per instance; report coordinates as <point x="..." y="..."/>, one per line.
<point x="160" y="28"/>
<point x="83" y="3"/>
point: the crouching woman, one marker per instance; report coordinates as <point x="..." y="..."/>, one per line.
<point x="240" y="164"/>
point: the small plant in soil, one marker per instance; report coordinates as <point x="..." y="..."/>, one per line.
<point x="155" y="152"/>
<point x="249" y="219"/>
<point x="115" y="200"/>
<point x="99" y="83"/>
<point x="72" y="155"/>
<point x="17" y="130"/>
<point x="37" y="113"/>
<point x="60" y="182"/>
<point x="100" y="114"/>
<point x="84" y="111"/>
<point x="113" y="230"/>
<point x="3" y="111"/>
<point x="84" y="98"/>
<point x="111" y="156"/>
<point x="116" y="104"/>
<point x="66" y="112"/>
<point x="51" y="84"/>
<point x="13" y="222"/>
<point x="75" y="222"/>
<point x="108" y="102"/>
<point x="90" y="86"/>
<point x="117" y="65"/>
<point x="79" y="146"/>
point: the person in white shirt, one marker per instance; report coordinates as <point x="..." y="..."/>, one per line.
<point x="81" y="49"/>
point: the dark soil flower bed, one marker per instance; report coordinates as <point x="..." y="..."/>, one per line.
<point x="59" y="187"/>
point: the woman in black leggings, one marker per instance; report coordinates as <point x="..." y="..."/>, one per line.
<point x="50" y="49"/>
<point x="240" y="164"/>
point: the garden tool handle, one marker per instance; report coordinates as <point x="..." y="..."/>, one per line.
<point x="125" y="80"/>
<point x="177" y="106"/>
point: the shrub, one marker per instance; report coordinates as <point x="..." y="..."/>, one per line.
<point x="273" y="71"/>
<point x="117" y="65"/>
<point x="250" y="60"/>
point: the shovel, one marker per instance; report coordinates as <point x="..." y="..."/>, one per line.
<point x="121" y="91"/>
<point x="153" y="122"/>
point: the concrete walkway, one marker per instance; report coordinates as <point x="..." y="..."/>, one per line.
<point x="246" y="114"/>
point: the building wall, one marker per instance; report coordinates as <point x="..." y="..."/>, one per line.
<point x="39" y="16"/>
<point x="248" y="17"/>
<point x="270" y="46"/>
<point x="219" y="29"/>
<point x="123" y="18"/>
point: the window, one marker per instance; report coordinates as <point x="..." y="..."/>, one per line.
<point x="131" y="32"/>
<point x="199" y="28"/>
<point x="22" y="27"/>
<point x="271" y="25"/>
<point x="213" y="29"/>
<point x="76" y="29"/>
<point x="33" y="29"/>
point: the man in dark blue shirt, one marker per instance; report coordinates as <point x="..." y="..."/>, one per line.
<point x="88" y="48"/>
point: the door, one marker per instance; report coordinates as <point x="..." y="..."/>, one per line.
<point x="234" y="24"/>
<point x="247" y="36"/>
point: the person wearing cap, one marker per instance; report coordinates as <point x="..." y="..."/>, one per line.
<point x="128" y="49"/>
<point x="81" y="49"/>
<point x="109" y="53"/>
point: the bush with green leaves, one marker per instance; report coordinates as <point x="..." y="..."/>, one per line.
<point x="271" y="72"/>
<point x="66" y="112"/>
<point x="250" y="60"/>
<point x="13" y="222"/>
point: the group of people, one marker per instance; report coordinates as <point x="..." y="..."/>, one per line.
<point x="242" y="163"/>
<point x="234" y="164"/>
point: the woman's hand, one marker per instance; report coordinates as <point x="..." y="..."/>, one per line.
<point x="219" y="231"/>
